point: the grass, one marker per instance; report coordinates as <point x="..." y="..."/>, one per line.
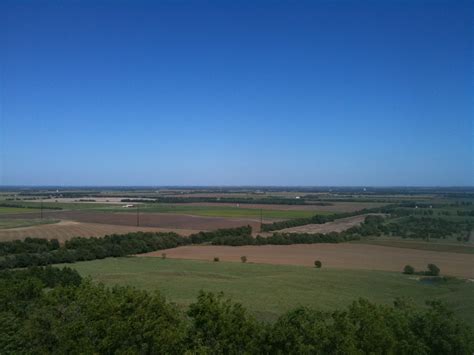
<point x="217" y="211"/>
<point x="7" y="210"/>
<point x="269" y="290"/>
<point x="17" y="223"/>
<point x="421" y="245"/>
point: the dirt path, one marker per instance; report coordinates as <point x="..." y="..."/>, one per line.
<point x="344" y="256"/>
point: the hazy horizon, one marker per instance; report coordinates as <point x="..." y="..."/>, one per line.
<point x="346" y="93"/>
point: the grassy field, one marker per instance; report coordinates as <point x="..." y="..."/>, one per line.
<point x="420" y="245"/>
<point x="10" y="210"/>
<point x="17" y="223"/>
<point x="269" y="290"/>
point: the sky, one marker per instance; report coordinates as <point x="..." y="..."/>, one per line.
<point x="340" y="92"/>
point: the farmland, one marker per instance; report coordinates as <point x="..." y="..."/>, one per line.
<point x="19" y="224"/>
<point x="66" y="230"/>
<point x="269" y="290"/>
<point x="341" y="256"/>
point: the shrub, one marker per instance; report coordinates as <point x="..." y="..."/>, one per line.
<point x="409" y="270"/>
<point x="433" y="270"/>
<point x="163" y="255"/>
<point x="243" y="259"/>
<point x="318" y="264"/>
<point x="216" y="259"/>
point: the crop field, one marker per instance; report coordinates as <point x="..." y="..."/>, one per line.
<point x="223" y="211"/>
<point x="161" y="220"/>
<point x="65" y="230"/>
<point x="334" y="207"/>
<point x="342" y="256"/>
<point x="21" y="223"/>
<point x="338" y="225"/>
<point x="270" y="290"/>
<point x="463" y="248"/>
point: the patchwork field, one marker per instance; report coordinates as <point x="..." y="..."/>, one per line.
<point x="342" y="256"/>
<point x="269" y="290"/>
<point x="338" y="225"/>
<point x="161" y="220"/>
<point x="65" y="230"/>
<point x="20" y="223"/>
<point x="464" y="248"/>
<point x="335" y="207"/>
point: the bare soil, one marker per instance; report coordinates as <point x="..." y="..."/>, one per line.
<point x="338" y="225"/>
<point x="161" y="220"/>
<point x="65" y="230"/>
<point x="343" y="256"/>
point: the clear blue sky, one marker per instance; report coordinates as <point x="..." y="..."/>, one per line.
<point x="236" y="92"/>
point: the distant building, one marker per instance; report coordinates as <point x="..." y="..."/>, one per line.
<point x="298" y="197"/>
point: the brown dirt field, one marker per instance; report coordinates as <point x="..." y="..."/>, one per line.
<point x="65" y="230"/>
<point x="335" y="207"/>
<point x="338" y="225"/>
<point x="343" y="256"/>
<point x="161" y="220"/>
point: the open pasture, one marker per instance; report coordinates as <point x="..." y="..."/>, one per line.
<point x="340" y="256"/>
<point x="269" y="290"/>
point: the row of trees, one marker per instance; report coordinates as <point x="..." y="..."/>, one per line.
<point x="40" y="252"/>
<point x="16" y="205"/>
<point x="426" y="227"/>
<point x="28" y="245"/>
<point x="241" y="200"/>
<point x="81" y="249"/>
<point x="73" y="318"/>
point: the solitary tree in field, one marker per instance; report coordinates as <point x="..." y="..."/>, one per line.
<point x="216" y="259"/>
<point x="409" y="270"/>
<point x="433" y="270"/>
<point x="318" y="264"/>
<point x="243" y="259"/>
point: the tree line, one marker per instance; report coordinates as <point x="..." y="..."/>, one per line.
<point x="17" y="205"/>
<point x="240" y="200"/>
<point x="41" y="252"/>
<point x="53" y="311"/>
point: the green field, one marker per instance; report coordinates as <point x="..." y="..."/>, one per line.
<point x="9" y="210"/>
<point x="216" y="211"/>
<point x="17" y="223"/>
<point x="269" y="290"/>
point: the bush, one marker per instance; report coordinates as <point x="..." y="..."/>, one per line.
<point x="243" y="259"/>
<point x="163" y="255"/>
<point x="433" y="270"/>
<point x="318" y="264"/>
<point x="409" y="270"/>
<point x="216" y="259"/>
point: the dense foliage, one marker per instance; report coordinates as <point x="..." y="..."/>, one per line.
<point x="427" y="227"/>
<point x="28" y="245"/>
<point x="80" y="249"/>
<point x="44" y="311"/>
